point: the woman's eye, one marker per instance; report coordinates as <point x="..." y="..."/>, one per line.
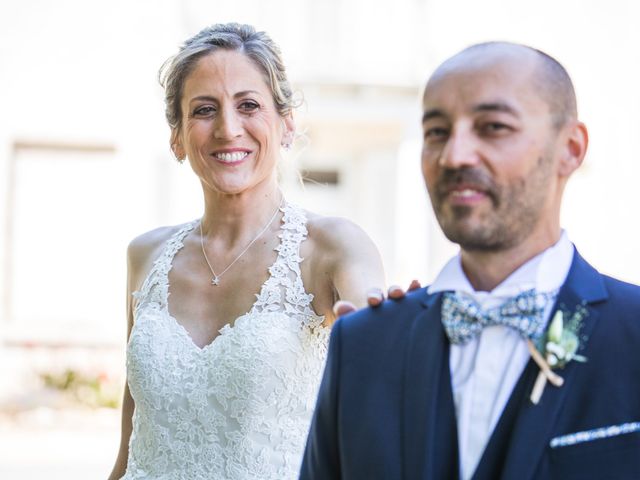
<point x="204" y="111"/>
<point x="249" y="106"/>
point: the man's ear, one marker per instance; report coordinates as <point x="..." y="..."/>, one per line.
<point x="576" y="141"/>
<point x="176" y="146"/>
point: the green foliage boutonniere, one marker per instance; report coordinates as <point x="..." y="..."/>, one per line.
<point x="559" y="345"/>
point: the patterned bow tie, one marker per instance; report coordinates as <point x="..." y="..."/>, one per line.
<point x="464" y="319"/>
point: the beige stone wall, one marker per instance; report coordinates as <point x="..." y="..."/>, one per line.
<point x="84" y="155"/>
<point x="85" y="164"/>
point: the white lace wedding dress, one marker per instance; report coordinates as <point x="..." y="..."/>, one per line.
<point x="240" y="407"/>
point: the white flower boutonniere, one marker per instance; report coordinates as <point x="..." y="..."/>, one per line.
<point x="562" y="344"/>
<point x="559" y="345"/>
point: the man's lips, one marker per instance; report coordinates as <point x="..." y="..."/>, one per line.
<point x="466" y="194"/>
<point x="466" y="186"/>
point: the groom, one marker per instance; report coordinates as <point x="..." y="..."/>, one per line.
<point x="443" y="384"/>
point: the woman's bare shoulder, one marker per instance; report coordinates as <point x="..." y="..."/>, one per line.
<point x="347" y="255"/>
<point x="147" y="246"/>
<point x="334" y="232"/>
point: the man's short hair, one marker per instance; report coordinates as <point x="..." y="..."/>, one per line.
<point x="551" y="80"/>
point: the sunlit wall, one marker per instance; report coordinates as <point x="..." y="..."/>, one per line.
<point x="85" y="164"/>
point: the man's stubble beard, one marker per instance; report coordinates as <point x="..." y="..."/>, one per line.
<point x="515" y="210"/>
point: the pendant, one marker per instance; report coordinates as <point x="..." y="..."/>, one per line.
<point x="215" y="281"/>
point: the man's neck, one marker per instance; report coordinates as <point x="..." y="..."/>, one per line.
<point x="488" y="269"/>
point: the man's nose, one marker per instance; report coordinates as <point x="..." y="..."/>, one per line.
<point x="461" y="150"/>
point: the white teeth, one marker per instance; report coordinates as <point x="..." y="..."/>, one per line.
<point x="231" y="157"/>
<point x="465" y="193"/>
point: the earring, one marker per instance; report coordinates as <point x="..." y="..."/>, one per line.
<point x="286" y="146"/>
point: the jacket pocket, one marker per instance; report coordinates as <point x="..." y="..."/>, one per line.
<point x="611" y="457"/>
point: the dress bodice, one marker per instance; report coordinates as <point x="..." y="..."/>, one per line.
<point x="240" y="407"/>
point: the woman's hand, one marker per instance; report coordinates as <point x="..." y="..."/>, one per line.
<point x="375" y="297"/>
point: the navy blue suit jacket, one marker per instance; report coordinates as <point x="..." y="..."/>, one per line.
<point x="385" y="408"/>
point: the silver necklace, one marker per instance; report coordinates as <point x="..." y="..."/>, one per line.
<point x="215" y="280"/>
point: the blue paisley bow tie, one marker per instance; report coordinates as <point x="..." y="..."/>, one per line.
<point x="464" y="319"/>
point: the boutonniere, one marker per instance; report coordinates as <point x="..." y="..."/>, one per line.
<point x="557" y="347"/>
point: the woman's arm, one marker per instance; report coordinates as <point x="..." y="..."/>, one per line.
<point x="348" y="258"/>
<point x="138" y="263"/>
<point x="126" y="426"/>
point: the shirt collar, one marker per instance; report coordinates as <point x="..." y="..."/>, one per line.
<point x="545" y="272"/>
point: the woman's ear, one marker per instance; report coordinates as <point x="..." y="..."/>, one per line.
<point x="288" y="130"/>
<point x="576" y="142"/>
<point x="176" y="146"/>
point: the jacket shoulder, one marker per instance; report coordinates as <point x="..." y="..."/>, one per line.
<point x="624" y="292"/>
<point x="390" y="315"/>
<point x="621" y="311"/>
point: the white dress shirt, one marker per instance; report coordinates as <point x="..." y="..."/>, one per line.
<point x="485" y="370"/>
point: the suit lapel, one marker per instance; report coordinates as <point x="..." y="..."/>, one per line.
<point x="534" y="423"/>
<point x="430" y="440"/>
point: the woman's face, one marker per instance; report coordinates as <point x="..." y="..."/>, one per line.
<point x="231" y="130"/>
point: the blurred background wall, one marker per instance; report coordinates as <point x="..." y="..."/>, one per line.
<point x="85" y="166"/>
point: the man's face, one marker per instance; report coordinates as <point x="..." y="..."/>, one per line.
<point x="489" y="151"/>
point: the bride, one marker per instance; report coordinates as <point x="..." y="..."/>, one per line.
<point x="228" y="315"/>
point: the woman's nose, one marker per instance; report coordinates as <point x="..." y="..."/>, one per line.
<point x="227" y="125"/>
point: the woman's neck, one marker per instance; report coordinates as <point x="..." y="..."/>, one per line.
<point x="237" y="218"/>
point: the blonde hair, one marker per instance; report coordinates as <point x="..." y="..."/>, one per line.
<point x="257" y="46"/>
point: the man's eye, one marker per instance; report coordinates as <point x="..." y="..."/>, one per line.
<point x="494" y="127"/>
<point x="435" y="133"/>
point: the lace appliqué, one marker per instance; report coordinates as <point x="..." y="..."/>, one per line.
<point x="155" y="288"/>
<point x="283" y="290"/>
<point x="239" y="408"/>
